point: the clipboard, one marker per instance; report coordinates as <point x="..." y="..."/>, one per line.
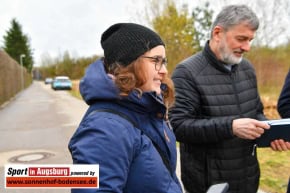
<point x="280" y="129"/>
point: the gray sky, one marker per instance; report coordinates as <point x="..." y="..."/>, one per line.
<point x="55" y="26"/>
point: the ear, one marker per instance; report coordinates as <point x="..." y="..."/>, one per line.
<point x="217" y="33"/>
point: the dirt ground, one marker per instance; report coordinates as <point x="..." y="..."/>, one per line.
<point x="270" y="107"/>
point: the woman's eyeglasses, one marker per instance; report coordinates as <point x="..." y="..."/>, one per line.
<point x="159" y="61"/>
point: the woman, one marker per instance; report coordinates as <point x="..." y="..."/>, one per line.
<point x="125" y="129"/>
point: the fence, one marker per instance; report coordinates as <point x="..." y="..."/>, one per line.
<point x="11" y="79"/>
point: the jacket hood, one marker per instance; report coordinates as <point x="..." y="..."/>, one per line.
<point x="96" y="85"/>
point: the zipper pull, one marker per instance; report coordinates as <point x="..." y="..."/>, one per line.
<point x="254" y="149"/>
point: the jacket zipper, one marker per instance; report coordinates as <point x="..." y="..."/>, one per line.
<point x="233" y="77"/>
<point x="254" y="149"/>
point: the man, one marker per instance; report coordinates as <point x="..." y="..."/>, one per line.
<point x="218" y="108"/>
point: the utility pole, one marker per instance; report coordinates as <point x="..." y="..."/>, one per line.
<point x="21" y="63"/>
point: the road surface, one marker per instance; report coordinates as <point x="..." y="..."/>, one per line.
<point x="35" y="128"/>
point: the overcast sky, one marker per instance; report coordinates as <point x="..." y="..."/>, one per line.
<point x="55" y="26"/>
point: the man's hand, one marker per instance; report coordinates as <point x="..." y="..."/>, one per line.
<point x="247" y="128"/>
<point x="280" y="145"/>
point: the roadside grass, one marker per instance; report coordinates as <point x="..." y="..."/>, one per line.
<point x="275" y="166"/>
<point x="75" y="89"/>
<point x="275" y="170"/>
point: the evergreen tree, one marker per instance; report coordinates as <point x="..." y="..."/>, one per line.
<point x="16" y="43"/>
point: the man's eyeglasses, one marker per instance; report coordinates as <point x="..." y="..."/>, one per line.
<point x="158" y="61"/>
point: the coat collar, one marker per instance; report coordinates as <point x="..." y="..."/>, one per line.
<point x="213" y="61"/>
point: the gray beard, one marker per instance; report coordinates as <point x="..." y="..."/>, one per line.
<point x="228" y="57"/>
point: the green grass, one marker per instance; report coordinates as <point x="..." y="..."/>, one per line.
<point x="275" y="170"/>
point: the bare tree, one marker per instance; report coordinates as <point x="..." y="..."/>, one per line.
<point x="274" y="16"/>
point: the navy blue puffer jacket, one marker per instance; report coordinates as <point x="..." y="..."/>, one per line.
<point x="128" y="160"/>
<point x="284" y="99"/>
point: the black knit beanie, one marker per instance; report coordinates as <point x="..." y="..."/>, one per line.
<point x="125" y="42"/>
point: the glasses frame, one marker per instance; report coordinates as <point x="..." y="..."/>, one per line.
<point x="159" y="61"/>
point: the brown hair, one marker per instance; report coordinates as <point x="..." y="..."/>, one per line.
<point x="132" y="77"/>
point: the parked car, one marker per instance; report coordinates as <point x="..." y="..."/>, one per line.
<point x="48" y="80"/>
<point x="61" y="83"/>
